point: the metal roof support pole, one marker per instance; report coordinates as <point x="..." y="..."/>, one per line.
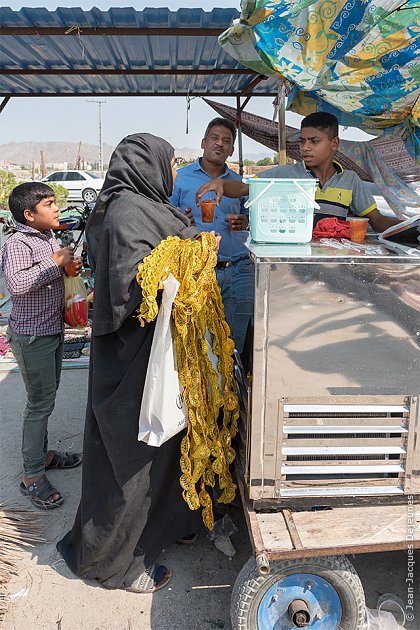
<point x="238" y="126"/>
<point x="4" y="103"/>
<point x="282" y="122"/>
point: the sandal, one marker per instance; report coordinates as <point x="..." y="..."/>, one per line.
<point x="39" y="492"/>
<point x="153" y="579"/>
<point x="188" y="540"/>
<point x="64" y="460"/>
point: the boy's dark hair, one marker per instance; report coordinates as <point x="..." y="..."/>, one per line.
<point x="26" y="197"/>
<point x="224" y="123"/>
<point x="327" y="123"/>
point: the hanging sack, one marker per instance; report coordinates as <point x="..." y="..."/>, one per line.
<point x="75" y="312"/>
<point x="163" y="413"/>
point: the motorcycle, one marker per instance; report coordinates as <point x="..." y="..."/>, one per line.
<point x="75" y="222"/>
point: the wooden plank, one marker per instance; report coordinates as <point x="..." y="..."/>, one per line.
<point x="338" y="531"/>
<point x="276" y="504"/>
<point x="291" y="527"/>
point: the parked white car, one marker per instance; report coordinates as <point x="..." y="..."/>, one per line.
<point x="82" y="185"/>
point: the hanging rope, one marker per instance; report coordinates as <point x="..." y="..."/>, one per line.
<point x="188" y="109"/>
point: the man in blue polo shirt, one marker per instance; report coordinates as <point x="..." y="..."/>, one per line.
<point x="234" y="270"/>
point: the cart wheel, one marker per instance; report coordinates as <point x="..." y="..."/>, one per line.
<point x="322" y="593"/>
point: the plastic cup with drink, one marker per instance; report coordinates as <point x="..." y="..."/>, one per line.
<point x="358" y="226"/>
<point x="207" y="210"/>
<point x="231" y="219"/>
<point x="74" y="267"/>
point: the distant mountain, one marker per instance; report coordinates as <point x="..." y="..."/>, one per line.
<point x="192" y="154"/>
<point x="54" y="152"/>
<point x="58" y="152"/>
<point x="188" y="153"/>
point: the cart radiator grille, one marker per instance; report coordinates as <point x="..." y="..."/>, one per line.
<point x="343" y="450"/>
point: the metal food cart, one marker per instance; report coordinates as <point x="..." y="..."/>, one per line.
<point x="329" y="459"/>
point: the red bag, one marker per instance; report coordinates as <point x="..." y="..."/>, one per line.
<point x="75" y="303"/>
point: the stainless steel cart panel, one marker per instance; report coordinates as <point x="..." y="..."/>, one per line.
<point x="336" y="374"/>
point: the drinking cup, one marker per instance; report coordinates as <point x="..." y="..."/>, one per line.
<point x="231" y="218"/>
<point x="358" y="226"/>
<point x="207" y="211"/>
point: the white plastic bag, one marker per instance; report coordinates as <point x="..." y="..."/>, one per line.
<point x="213" y="358"/>
<point x="380" y="620"/>
<point x="163" y="413"/>
<point x="389" y="614"/>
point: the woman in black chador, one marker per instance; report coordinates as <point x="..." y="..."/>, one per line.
<point x="131" y="506"/>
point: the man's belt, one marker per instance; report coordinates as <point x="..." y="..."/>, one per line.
<point x="223" y="264"/>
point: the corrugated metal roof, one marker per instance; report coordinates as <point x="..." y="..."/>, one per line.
<point x="121" y="51"/>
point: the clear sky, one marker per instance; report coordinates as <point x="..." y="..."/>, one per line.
<point x="74" y="119"/>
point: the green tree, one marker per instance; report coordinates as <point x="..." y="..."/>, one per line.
<point x="249" y="163"/>
<point x="7" y="183"/>
<point x="276" y="159"/>
<point x="267" y="161"/>
<point x="61" y="194"/>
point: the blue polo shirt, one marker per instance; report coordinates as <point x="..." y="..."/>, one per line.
<point x="188" y="181"/>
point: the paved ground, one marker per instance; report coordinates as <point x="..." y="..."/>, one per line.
<point x="44" y="595"/>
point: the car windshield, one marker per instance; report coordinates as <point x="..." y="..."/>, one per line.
<point x="90" y="174"/>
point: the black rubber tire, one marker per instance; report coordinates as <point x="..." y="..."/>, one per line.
<point x="250" y="587"/>
<point x="89" y="195"/>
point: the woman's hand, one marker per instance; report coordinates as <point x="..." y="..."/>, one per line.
<point x="214" y="185"/>
<point x="189" y="214"/>
<point x="218" y="239"/>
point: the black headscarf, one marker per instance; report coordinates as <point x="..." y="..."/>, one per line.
<point x="131" y="217"/>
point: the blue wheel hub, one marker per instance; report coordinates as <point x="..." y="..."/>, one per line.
<point x="320" y="597"/>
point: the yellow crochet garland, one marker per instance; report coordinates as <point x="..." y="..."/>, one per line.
<point x="206" y="450"/>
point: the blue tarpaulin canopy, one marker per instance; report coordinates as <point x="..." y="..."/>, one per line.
<point x="357" y="59"/>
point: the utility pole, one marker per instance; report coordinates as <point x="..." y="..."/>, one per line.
<point x="100" y="102"/>
<point x="43" y="171"/>
<point x="77" y="164"/>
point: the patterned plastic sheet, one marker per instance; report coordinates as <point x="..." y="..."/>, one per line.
<point x="354" y="58"/>
<point x="386" y="162"/>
